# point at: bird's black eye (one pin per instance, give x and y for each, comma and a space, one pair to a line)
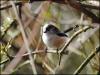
52, 29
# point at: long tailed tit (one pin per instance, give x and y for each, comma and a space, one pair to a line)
52, 37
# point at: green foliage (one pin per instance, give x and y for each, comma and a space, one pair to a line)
4, 51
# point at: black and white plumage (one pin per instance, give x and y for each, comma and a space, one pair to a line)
52, 37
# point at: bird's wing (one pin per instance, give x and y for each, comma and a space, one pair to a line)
59, 33
62, 34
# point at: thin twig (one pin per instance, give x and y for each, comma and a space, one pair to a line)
73, 36
24, 38
71, 39
34, 52
9, 6
90, 6
4, 61
39, 52
37, 22
49, 67
42, 51
78, 7
86, 61
71, 28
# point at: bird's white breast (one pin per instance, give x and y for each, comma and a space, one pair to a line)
48, 40
53, 41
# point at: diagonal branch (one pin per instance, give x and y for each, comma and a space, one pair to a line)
9, 6
78, 7
71, 39
7, 70
86, 61
37, 23
73, 36
24, 38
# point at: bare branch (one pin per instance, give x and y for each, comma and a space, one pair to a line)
25, 39
78, 7
71, 39
9, 6
37, 24
7, 71
73, 36
86, 61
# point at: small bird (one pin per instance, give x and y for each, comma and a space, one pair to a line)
55, 39
52, 37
